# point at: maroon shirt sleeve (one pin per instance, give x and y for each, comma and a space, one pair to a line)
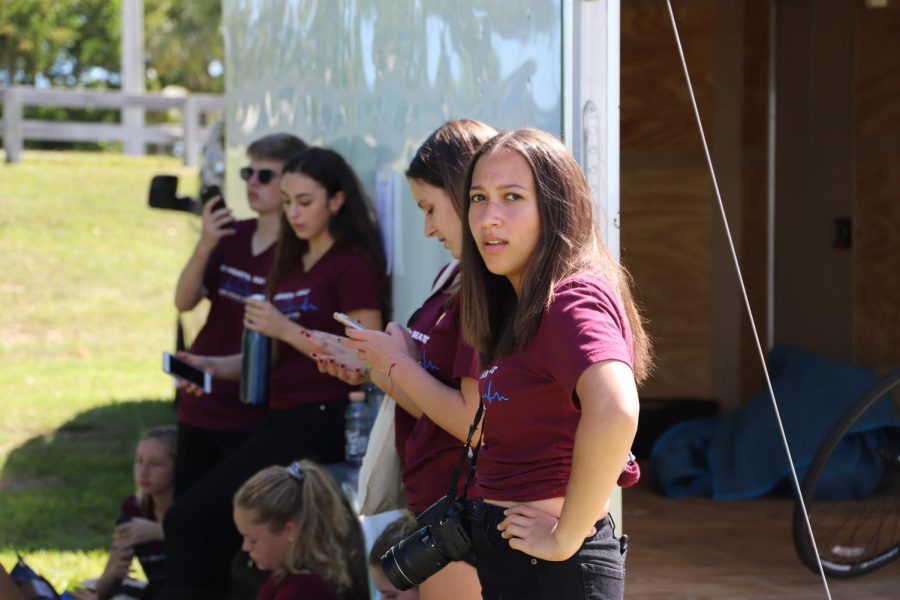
211, 272
586, 326
465, 363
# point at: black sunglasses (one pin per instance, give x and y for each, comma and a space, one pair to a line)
264, 176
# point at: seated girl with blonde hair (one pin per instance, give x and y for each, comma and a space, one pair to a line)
139, 532
295, 523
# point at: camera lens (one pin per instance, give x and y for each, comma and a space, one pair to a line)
413, 560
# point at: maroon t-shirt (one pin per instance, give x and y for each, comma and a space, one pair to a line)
341, 280
531, 411
232, 273
297, 586
429, 453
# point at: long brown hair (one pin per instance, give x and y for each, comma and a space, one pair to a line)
329, 541
443, 159
498, 322
353, 227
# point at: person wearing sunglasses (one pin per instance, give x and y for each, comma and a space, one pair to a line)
229, 263
329, 258
264, 175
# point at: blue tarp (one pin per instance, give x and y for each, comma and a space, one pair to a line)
741, 455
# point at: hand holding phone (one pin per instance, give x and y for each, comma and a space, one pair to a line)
208, 194
178, 368
346, 321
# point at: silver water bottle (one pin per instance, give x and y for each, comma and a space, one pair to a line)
255, 365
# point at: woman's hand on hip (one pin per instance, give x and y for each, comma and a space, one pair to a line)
533, 531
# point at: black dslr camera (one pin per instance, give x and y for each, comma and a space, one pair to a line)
163, 188
162, 194
445, 538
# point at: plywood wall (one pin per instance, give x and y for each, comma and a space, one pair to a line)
672, 237
877, 231
838, 112
666, 213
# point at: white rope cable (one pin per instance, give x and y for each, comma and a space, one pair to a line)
740, 277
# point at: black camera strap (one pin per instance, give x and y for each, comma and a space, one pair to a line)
463, 456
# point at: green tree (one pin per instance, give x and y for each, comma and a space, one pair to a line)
32, 34
77, 42
182, 40
93, 55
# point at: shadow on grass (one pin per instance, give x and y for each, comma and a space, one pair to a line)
62, 491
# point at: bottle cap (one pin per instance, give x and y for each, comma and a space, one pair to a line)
357, 396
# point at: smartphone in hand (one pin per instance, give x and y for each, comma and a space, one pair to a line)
211, 192
346, 321
188, 372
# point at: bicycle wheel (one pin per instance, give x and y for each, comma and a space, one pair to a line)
854, 536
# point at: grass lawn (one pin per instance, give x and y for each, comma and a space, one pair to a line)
86, 282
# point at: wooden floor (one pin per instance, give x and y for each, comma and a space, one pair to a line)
699, 548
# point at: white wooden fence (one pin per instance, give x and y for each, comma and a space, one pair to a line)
15, 129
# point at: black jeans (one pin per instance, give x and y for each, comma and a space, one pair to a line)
595, 572
200, 536
201, 449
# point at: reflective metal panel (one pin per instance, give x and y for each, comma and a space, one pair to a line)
372, 78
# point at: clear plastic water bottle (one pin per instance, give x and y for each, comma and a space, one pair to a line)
255, 365
374, 398
358, 423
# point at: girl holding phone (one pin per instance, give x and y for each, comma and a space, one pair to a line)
561, 345
329, 258
429, 370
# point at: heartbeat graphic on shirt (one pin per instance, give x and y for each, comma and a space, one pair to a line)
295, 308
491, 396
427, 364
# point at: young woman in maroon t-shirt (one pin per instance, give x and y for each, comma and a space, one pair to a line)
296, 523
228, 264
561, 347
430, 371
329, 258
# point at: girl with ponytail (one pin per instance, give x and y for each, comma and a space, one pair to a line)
296, 524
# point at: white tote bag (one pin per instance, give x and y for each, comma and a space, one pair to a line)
380, 487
